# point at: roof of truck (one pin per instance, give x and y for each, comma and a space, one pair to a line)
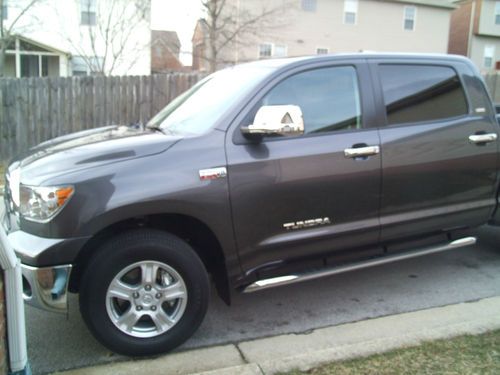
277, 63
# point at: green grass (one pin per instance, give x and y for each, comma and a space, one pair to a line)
461, 355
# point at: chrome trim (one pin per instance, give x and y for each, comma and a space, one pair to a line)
361, 151
483, 138
286, 120
212, 173
48, 286
295, 278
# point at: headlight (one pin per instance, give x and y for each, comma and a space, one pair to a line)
14, 179
41, 204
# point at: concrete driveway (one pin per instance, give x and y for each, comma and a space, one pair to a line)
56, 343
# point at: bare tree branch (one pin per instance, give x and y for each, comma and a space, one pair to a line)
108, 43
230, 26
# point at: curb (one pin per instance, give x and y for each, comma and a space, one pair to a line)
307, 350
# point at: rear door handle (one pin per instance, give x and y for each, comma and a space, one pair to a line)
361, 151
482, 138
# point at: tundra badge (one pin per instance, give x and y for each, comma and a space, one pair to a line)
307, 223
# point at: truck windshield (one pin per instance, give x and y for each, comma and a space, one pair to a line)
197, 110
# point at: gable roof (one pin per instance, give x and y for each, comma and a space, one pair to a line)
40, 44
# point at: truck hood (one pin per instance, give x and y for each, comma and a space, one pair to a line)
90, 148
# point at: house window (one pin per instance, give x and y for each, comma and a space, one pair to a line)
321, 51
280, 50
489, 54
350, 11
309, 5
5, 10
88, 12
410, 14
497, 12
34, 66
265, 50
79, 66
84, 66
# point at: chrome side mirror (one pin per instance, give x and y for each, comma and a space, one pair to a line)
285, 120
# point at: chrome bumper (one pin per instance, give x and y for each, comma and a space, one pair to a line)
47, 287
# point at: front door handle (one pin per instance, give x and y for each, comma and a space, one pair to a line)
361, 151
482, 138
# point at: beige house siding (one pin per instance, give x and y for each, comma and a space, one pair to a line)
477, 50
487, 24
379, 27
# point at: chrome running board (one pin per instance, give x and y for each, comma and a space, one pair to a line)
297, 278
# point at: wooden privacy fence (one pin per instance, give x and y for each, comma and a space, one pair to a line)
33, 110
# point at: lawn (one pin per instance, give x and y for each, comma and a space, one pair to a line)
462, 355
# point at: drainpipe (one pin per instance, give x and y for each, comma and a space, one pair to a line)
16, 328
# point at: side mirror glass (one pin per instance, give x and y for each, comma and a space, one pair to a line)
284, 120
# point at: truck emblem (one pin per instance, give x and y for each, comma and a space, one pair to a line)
212, 173
306, 223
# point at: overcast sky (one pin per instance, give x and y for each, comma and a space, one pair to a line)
180, 16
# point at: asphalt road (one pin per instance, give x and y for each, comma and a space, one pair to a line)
56, 343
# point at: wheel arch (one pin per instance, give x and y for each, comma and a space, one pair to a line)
192, 230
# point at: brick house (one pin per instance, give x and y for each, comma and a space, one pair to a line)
165, 50
475, 32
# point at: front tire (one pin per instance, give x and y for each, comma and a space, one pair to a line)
144, 292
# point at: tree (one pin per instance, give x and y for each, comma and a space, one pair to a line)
9, 30
107, 35
230, 24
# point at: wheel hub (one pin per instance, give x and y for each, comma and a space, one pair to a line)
159, 296
146, 298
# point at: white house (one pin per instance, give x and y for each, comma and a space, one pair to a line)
81, 37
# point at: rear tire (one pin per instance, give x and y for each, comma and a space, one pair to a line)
144, 292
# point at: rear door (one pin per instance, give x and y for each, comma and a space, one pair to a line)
439, 148
292, 180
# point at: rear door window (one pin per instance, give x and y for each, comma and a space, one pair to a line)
421, 93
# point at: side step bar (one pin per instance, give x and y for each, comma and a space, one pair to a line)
297, 278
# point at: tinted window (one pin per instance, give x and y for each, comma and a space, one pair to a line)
415, 93
328, 98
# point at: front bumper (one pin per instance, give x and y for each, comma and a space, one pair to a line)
43, 287
46, 287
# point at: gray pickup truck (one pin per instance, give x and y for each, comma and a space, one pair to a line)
261, 175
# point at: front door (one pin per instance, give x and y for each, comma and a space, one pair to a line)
302, 196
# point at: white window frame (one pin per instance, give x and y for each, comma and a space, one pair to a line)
322, 48
489, 53
83, 63
273, 50
89, 7
285, 48
351, 6
414, 17
497, 12
312, 9
5, 9
260, 56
